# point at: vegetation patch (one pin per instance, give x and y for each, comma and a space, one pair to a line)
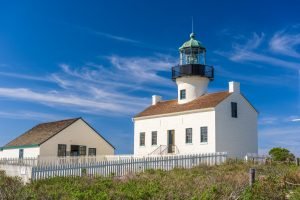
227, 181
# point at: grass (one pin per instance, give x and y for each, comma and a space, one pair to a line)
227, 181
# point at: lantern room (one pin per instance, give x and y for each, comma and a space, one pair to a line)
192, 52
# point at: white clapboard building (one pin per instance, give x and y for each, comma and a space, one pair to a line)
197, 121
70, 137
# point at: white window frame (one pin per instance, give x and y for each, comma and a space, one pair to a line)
201, 132
153, 138
140, 139
187, 137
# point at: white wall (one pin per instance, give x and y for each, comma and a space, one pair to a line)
79, 133
29, 152
236, 135
178, 123
24, 172
195, 86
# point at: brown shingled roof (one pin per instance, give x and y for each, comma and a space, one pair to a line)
164, 107
41, 132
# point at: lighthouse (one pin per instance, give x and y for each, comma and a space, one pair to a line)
196, 121
192, 75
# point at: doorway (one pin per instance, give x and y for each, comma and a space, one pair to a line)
21, 153
171, 141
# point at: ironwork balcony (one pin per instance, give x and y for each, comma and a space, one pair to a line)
193, 70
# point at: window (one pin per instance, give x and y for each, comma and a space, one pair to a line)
182, 94
21, 153
154, 138
188, 136
62, 150
142, 139
74, 150
92, 151
234, 109
82, 150
203, 134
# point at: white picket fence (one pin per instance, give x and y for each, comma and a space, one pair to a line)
19, 162
256, 158
121, 167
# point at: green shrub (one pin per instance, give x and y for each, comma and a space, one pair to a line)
227, 181
281, 154
295, 195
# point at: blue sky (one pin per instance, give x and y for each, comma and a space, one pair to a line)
102, 60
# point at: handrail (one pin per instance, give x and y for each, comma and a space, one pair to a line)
193, 69
164, 150
159, 149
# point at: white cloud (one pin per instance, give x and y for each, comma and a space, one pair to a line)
30, 115
251, 43
283, 80
275, 119
115, 37
95, 104
92, 88
268, 120
296, 120
286, 43
24, 76
281, 136
143, 69
282, 130
246, 55
124, 39
249, 52
108, 35
123, 73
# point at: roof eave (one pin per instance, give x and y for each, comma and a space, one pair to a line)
20, 147
174, 113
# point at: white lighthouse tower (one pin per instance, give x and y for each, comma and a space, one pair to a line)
196, 121
192, 75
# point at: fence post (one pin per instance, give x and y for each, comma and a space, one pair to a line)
298, 161
251, 176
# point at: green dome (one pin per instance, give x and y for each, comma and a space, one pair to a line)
192, 43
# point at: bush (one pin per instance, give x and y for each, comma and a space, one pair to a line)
281, 154
227, 181
295, 195
10, 187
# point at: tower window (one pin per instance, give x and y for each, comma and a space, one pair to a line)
154, 138
234, 109
188, 135
142, 139
182, 94
203, 132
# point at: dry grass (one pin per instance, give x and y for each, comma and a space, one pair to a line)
228, 181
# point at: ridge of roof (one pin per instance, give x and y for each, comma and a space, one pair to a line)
57, 121
41, 132
172, 106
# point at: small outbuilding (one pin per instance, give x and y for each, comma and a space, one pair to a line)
70, 137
